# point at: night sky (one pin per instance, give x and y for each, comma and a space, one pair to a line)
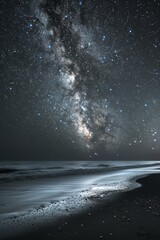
80, 80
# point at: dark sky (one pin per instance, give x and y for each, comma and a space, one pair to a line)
80, 80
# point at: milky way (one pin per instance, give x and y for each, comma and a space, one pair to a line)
76, 51
80, 79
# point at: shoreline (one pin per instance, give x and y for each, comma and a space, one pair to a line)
65, 225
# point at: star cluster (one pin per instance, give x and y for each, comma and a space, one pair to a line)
83, 75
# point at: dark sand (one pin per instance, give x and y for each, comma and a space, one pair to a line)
131, 215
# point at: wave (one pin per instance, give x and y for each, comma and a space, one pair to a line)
19, 171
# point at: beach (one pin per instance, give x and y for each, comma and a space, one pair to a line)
131, 215
116, 210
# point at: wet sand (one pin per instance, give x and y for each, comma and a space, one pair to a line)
130, 215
